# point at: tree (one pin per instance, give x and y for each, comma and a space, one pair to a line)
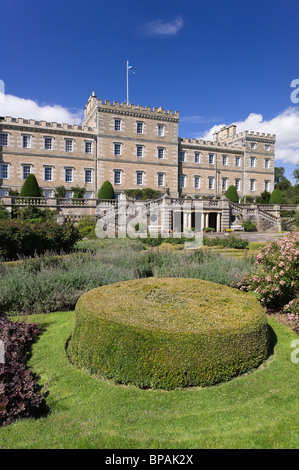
106, 191
264, 198
276, 197
30, 187
283, 184
278, 174
295, 175
232, 194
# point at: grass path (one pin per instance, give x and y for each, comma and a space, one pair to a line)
258, 410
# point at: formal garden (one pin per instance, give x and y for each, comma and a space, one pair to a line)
142, 343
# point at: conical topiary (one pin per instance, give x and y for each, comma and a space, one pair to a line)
30, 187
106, 191
232, 194
276, 197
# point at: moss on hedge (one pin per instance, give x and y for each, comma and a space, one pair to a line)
168, 333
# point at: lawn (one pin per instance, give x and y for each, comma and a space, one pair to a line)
257, 410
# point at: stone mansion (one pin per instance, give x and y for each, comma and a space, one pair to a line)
132, 147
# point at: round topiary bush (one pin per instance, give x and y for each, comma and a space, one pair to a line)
168, 332
106, 191
30, 187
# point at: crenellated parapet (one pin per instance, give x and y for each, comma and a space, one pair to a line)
9, 121
137, 110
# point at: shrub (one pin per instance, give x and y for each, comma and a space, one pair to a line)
227, 242
249, 226
143, 194
4, 215
292, 310
32, 213
264, 198
86, 227
106, 191
232, 194
60, 192
30, 187
276, 197
168, 333
19, 396
78, 193
209, 229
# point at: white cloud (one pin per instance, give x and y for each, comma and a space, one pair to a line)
285, 126
164, 28
28, 109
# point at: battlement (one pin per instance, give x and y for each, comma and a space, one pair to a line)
228, 134
44, 124
106, 104
206, 143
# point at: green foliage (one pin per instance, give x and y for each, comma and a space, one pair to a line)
78, 193
86, 226
246, 199
33, 213
106, 191
143, 194
4, 215
276, 197
232, 194
60, 192
30, 187
264, 198
248, 226
171, 333
231, 241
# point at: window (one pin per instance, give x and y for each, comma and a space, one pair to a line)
68, 145
252, 162
117, 124
267, 186
48, 192
88, 195
139, 150
117, 176
196, 182
139, 178
88, 147
160, 179
211, 182
267, 163
117, 149
160, 153
48, 173
197, 157
267, 147
48, 143
224, 160
26, 141
252, 185
161, 130
68, 175
26, 171
182, 156
3, 139
253, 145
4, 171
87, 175
182, 181
224, 183
238, 184
139, 127
237, 161
211, 159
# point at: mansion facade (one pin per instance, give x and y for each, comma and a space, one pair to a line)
132, 147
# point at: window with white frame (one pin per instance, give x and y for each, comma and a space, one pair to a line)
182, 156
26, 141
48, 173
252, 185
237, 161
3, 139
139, 178
224, 160
267, 186
161, 130
182, 181
88, 147
160, 153
139, 150
139, 127
267, 163
161, 179
4, 192
26, 170
68, 175
197, 156
68, 145
252, 162
87, 175
197, 182
3, 171
224, 184
238, 184
117, 176
211, 158
117, 149
117, 124
211, 180
48, 143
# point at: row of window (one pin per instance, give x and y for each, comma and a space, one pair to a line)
48, 173
118, 126
48, 143
211, 159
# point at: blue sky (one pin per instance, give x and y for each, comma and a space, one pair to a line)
215, 61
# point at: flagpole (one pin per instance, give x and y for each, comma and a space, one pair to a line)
127, 83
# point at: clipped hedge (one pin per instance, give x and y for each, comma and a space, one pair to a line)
168, 333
